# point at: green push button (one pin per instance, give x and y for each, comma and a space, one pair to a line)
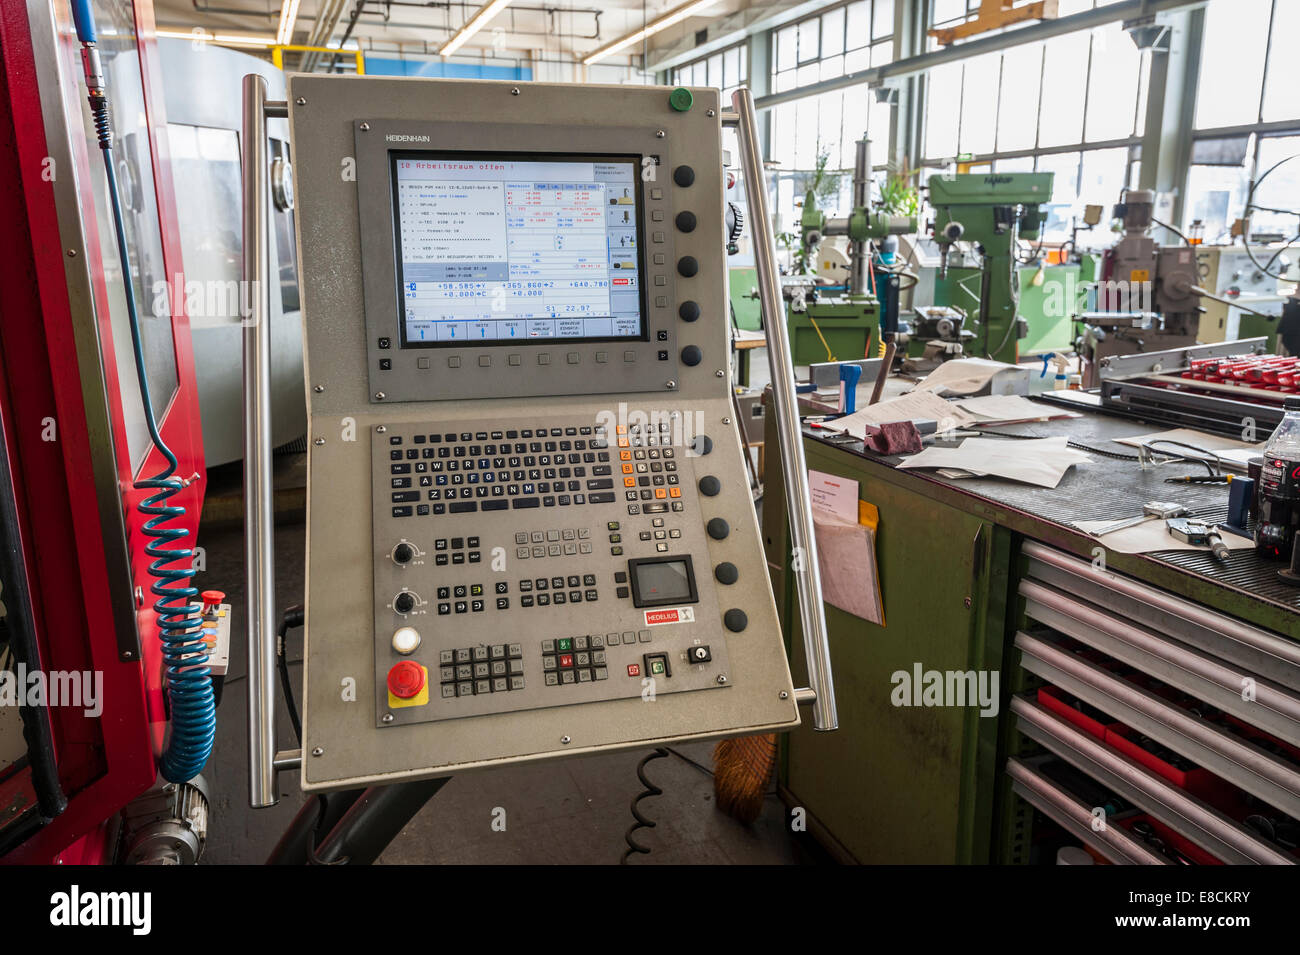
563, 645
657, 667
681, 99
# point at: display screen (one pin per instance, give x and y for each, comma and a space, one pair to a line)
662, 581
502, 248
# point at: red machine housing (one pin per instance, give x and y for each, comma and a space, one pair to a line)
73, 495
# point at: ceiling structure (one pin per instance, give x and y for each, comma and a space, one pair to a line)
563, 33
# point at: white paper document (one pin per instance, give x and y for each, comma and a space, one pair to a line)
1232, 451
988, 409
962, 376
834, 495
915, 406
1152, 535
1039, 461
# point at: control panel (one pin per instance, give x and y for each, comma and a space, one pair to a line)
530, 532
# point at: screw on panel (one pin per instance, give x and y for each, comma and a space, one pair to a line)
565, 740
726, 421
72, 253
319, 388
382, 428
722, 678
301, 101
380, 396
387, 717
670, 383
660, 134
783, 695
318, 442
318, 751
139, 597
514, 91
719, 373
365, 127
710, 113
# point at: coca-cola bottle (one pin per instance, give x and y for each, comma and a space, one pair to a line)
1279, 486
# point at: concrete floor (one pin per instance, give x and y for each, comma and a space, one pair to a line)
565, 812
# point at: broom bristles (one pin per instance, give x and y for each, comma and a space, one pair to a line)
741, 769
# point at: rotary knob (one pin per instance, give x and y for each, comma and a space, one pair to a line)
404, 602
403, 553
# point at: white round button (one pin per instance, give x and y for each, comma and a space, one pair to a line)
406, 640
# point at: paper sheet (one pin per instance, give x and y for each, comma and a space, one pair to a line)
1151, 536
1039, 461
846, 557
1230, 449
833, 495
914, 406
1008, 408
962, 376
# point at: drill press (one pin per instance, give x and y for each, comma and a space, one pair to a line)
840, 326
991, 212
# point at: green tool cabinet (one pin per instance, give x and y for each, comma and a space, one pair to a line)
899, 784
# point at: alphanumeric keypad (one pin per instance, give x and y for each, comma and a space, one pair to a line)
517, 469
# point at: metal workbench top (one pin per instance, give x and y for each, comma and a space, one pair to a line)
1110, 488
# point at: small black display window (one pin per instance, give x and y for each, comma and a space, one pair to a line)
657, 581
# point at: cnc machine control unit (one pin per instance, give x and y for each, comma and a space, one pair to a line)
530, 532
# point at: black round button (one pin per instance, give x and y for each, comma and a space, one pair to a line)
403, 553
726, 573
718, 528
687, 266
735, 620
702, 444
689, 311
683, 175
686, 221
691, 355
710, 486
403, 602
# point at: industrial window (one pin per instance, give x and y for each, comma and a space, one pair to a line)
1073, 105
727, 70
842, 40
1247, 119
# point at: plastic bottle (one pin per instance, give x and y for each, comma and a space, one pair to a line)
1279, 486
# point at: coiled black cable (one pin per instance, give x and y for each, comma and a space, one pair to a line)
641, 822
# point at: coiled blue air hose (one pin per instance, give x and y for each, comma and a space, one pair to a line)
189, 680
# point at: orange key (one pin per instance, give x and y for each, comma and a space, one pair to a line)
625, 455
627, 469
622, 442
674, 492
660, 493
621, 429
629, 482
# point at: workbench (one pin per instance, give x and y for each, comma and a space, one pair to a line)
969, 569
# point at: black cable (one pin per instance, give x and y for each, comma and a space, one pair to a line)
1250, 204
641, 822
690, 762
292, 619
1163, 225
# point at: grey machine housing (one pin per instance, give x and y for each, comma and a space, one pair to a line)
358, 392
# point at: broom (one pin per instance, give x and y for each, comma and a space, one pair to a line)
741, 769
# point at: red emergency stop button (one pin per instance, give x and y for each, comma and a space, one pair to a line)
406, 679
213, 596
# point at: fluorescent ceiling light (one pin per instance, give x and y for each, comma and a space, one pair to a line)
222, 39
288, 13
476, 23
676, 15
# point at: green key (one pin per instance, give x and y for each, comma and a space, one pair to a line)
563, 645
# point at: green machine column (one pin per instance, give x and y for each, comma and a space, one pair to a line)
993, 212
